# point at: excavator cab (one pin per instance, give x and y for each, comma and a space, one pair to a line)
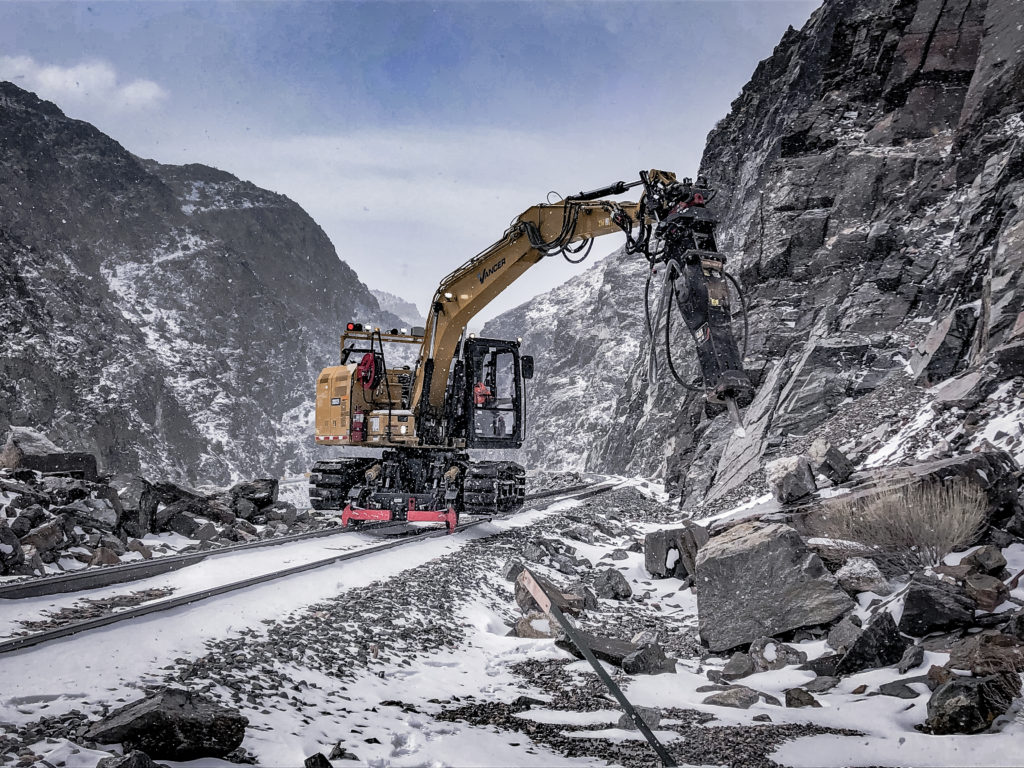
494, 392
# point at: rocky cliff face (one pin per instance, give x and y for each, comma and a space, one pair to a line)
396, 305
168, 319
872, 201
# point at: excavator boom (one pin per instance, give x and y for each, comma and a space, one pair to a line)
466, 291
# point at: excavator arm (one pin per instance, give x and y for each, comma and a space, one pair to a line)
539, 231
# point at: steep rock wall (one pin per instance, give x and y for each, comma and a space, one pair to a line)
871, 183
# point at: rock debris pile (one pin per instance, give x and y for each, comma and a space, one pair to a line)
70, 518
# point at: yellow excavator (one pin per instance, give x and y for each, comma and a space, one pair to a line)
463, 392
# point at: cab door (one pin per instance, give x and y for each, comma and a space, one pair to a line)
494, 401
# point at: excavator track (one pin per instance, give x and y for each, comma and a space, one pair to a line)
330, 480
491, 487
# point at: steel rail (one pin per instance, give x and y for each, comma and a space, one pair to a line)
95, 578
27, 641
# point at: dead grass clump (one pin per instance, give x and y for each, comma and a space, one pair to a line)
911, 527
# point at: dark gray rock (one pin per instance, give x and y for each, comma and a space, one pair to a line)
21, 525
821, 684
605, 648
262, 493
673, 551
316, 761
174, 724
759, 580
988, 592
843, 635
1015, 626
205, 532
825, 665
767, 653
912, 657
798, 697
650, 716
879, 645
649, 659
104, 556
898, 689
790, 479
738, 666
933, 605
512, 569
65, 490
829, 461
244, 509
736, 696
611, 584
985, 559
45, 537
12, 556
970, 704
139, 502
184, 524
112, 543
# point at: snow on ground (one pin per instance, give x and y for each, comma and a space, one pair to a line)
393, 713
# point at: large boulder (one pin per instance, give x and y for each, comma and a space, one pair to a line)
28, 449
174, 724
673, 551
933, 605
970, 704
790, 479
758, 580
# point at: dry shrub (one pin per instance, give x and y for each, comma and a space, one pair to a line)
911, 527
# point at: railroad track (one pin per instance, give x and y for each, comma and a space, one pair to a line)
94, 578
403, 537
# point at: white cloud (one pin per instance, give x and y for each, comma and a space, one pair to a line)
90, 83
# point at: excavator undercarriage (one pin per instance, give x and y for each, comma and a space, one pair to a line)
416, 484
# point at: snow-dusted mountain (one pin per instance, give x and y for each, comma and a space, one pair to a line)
396, 305
169, 319
871, 179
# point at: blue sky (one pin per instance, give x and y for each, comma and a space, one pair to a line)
412, 132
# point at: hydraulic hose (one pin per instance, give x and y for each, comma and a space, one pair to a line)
743, 310
668, 332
